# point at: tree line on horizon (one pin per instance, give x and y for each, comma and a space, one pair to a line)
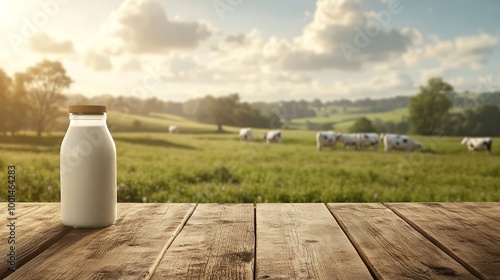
439, 111
462, 114
33, 100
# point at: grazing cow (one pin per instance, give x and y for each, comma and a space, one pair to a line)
173, 129
366, 140
478, 144
273, 136
399, 142
347, 139
246, 134
325, 138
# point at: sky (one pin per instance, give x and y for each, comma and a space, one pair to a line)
261, 49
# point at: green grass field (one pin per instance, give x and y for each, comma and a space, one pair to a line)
199, 165
345, 120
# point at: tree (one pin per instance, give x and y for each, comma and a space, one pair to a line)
483, 121
222, 110
136, 124
327, 126
228, 110
246, 116
487, 118
198, 109
19, 105
316, 103
5, 87
429, 108
174, 108
44, 83
362, 124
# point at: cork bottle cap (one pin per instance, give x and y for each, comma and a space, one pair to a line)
87, 109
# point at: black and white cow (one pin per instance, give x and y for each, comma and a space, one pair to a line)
173, 129
365, 140
399, 142
348, 139
246, 134
478, 144
325, 138
273, 136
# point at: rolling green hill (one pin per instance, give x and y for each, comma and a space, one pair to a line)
120, 122
157, 122
342, 121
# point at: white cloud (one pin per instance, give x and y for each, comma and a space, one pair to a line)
470, 52
98, 61
277, 65
311, 65
131, 65
479, 84
181, 64
378, 85
142, 26
426, 74
384, 85
43, 43
488, 83
248, 62
340, 36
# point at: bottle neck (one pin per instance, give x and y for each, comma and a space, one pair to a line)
87, 120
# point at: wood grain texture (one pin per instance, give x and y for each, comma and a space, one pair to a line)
129, 249
391, 247
468, 232
38, 226
216, 243
21, 209
303, 241
488, 209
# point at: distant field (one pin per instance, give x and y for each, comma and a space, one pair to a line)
344, 120
155, 123
203, 166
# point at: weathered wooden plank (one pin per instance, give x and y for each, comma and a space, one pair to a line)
21, 209
130, 249
391, 247
37, 227
216, 243
303, 241
462, 230
488, 209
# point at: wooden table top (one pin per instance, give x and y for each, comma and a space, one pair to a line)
265, 241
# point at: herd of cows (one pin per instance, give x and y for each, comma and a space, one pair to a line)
362, 141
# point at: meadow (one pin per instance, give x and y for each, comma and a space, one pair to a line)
343, 121
199, 165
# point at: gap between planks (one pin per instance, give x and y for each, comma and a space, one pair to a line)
44, 246
155, 265
436, 243
254, 272
363, 257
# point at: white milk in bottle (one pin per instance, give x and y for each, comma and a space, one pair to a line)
88, 169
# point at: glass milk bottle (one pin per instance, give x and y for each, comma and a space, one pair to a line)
88, 169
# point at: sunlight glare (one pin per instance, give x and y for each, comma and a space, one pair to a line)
10, 11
